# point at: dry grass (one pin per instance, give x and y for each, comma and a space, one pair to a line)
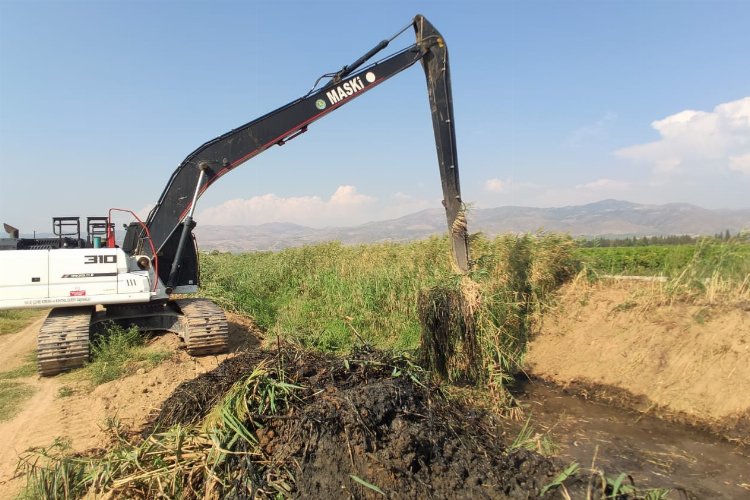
14, 320
13, 395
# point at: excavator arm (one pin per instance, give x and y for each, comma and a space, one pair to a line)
170, 221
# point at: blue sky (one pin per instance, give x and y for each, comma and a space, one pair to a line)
556, 103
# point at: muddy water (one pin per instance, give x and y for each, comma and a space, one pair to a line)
653, 452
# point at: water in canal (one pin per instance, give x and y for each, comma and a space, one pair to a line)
654, 452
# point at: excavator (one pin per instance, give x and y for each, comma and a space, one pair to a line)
89, 283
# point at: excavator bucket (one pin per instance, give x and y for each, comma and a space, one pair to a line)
436, 68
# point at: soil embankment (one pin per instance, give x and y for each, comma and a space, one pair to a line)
623, 343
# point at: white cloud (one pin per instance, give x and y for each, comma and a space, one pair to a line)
697, 140
604, 185
740, 163
508, 186
494, 185
347, 196
402, 203
345, 206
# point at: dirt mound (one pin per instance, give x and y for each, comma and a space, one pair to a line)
362, 426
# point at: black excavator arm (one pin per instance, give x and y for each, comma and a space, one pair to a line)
170, 222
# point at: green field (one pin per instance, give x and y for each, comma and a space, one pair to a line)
702, 260
331, 296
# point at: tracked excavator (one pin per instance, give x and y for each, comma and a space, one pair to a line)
91, 281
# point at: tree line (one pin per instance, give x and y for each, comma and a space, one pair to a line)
672, 239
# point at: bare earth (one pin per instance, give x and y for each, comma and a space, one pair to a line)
616, 341
82, 416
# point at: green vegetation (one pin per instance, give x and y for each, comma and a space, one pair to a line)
14, 320
528, 439
643, 241
65, 392
12, 395
707, 257
710, 270
329, 295
600, 485
120, 352
636, 261
324, 295
27, 369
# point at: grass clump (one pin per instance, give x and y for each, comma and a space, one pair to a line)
65, 392
477, 327
119, 352
716, 271
12, 396
13, 320
52, 472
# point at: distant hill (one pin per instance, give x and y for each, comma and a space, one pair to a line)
604, 218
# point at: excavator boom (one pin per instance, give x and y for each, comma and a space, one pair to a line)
215, 158
89, 286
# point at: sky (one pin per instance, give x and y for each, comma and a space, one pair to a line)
556, 103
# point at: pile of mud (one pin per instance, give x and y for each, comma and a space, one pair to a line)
363, 427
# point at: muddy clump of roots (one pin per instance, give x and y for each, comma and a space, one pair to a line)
363, 427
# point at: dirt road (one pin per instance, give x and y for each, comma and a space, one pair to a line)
68, 407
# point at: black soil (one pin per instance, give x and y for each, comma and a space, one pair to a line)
367, 425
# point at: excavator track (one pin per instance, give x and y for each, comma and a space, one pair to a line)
205, 327
63, 341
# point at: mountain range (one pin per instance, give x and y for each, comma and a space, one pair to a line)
607, 218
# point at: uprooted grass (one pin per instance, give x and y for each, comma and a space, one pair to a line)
594, 483
173, 463
119, 352
476, 328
